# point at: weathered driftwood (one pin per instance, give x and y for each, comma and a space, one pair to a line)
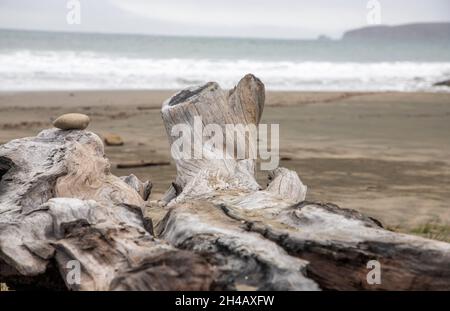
242, 105
97, 220
216, 227
337, 243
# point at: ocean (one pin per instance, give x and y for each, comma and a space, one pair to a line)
60, 61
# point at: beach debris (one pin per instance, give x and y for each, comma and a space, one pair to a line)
147, 107
72, 121
113, 140
142, 163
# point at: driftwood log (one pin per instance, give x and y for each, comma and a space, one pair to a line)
59, 203
215, 229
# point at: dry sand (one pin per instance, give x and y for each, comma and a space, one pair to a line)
384, 154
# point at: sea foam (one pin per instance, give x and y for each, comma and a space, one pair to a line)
57, 70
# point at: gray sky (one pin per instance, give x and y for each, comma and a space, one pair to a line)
235, 18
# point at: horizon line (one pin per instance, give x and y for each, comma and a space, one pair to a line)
318, 37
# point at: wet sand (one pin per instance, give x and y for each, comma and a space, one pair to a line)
384, 154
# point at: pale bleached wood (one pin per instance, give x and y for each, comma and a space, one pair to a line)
97, 221
242, 105
243, 259
338, 243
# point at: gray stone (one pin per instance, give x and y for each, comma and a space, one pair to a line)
72, 121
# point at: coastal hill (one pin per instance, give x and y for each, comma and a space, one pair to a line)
408, 32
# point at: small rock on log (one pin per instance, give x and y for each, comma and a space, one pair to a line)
72, 121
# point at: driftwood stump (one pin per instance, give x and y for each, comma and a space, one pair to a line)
216, 227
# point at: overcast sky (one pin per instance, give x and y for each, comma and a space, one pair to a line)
234, 18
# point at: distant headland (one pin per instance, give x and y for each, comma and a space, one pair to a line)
408, 32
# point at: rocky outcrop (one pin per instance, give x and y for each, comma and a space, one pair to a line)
443, 83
